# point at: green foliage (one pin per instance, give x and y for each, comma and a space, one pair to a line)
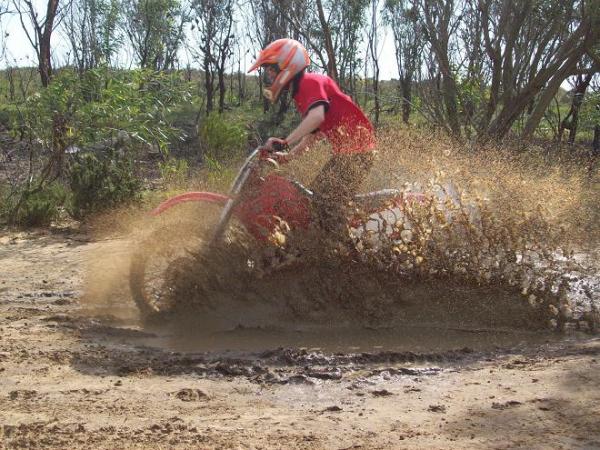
98, 109
40, 207
93, 27
220, 175
103, 182
223, 139
590, 111
101, 102
6, 203
155, 31
174, 171
6, 114
110, 39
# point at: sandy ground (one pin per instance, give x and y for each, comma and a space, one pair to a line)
73, 380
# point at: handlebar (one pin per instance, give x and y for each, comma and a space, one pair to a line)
279, 147
275, 147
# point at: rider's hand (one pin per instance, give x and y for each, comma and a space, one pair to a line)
275, 144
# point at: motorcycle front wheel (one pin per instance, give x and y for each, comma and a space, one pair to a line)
165, 255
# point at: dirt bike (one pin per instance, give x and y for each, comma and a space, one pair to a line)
260, 205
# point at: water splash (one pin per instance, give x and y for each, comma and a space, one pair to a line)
502, 239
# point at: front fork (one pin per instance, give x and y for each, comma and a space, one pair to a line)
234, 196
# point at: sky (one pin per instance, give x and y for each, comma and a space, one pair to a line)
20, 53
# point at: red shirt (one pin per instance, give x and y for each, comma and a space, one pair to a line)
345, 125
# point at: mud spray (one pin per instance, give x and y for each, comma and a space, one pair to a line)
505, 241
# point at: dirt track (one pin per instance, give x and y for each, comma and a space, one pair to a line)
75, 380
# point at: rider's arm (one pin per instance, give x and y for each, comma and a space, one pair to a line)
311, 122
300, 139
303, 145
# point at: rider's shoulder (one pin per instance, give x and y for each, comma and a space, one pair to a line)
311, 77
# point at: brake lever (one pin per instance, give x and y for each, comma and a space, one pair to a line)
272, 162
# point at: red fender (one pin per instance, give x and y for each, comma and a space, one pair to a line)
210, 197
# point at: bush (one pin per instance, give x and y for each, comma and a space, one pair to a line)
87, 109
174, 171
6, 115
38, 208
100, 182
224, 140
6, 203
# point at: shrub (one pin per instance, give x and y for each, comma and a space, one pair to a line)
93, 111
174, 171
39, 207
100, 182
6, 114
6, 203
100, 102
223, 139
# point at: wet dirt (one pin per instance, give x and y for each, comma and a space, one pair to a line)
446, 346
75, 374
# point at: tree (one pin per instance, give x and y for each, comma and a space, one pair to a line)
589, 113
438, 22
347, 21
92, 29
213, 24
3, 11
332, 32
307, 19
39, 37
499, 60
155, 29
270, 23
402, 16
573, 48
373, 55
331, 57
571, 120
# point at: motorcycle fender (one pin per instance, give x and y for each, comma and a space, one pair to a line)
209, 197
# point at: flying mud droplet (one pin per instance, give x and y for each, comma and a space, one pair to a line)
492, 237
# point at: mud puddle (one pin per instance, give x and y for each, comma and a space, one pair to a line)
432, 338
76, 381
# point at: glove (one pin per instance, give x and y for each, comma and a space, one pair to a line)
274, 144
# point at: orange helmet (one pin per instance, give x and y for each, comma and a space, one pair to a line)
290, 56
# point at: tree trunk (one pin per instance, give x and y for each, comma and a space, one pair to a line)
439, 38
208, 84
548, 94
571, 120
376, 93
406, 99
331, 63
45, 63
552, 76
450, 100
222, 90
10, 74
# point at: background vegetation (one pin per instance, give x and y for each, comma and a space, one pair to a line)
127, 94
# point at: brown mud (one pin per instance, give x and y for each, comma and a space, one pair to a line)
77, 375
444, 338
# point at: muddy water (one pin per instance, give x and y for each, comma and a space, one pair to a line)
485, 264
425, 318
423, 339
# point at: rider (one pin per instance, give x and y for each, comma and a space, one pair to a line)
326, 113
